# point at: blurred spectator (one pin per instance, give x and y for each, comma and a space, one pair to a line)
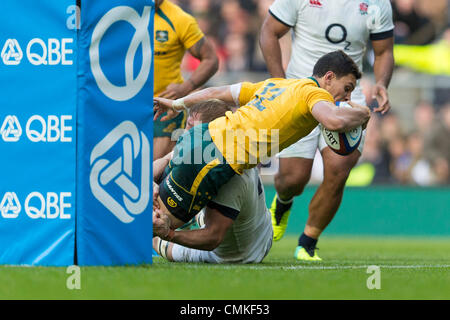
424, 117
418, 22
437, 146
257, 60
236, 51
236, 36
390, 127
233, 26
410, 26
419, 170
442, 171
421, 157
375, 153
436, 11
200, 7
400, 159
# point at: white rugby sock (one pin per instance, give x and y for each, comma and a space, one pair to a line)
162, 246
284, 201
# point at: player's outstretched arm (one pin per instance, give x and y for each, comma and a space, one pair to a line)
207, 238
173, 107
340, 119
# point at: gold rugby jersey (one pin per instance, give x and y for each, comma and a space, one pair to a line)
275, 113
175, 32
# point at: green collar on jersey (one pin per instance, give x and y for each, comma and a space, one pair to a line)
314, 79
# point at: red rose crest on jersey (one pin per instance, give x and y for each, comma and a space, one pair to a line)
315, 3
363, 7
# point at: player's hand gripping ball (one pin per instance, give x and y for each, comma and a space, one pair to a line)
342, 143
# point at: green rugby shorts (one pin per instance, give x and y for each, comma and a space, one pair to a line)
165, 128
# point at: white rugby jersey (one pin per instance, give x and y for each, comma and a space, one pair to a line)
243, 200
322, 26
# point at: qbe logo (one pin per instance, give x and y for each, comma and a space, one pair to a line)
11, 129
50, 205
141, 39
38, 52
109, 174
38, 129
11, 53
10, 205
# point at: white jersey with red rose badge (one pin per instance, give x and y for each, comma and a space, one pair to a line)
323, 26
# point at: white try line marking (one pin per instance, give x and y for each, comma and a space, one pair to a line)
294, 267
303, 267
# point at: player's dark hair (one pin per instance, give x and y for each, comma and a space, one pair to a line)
338, 62
209, 110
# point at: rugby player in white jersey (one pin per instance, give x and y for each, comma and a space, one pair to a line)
321, 26
235, 226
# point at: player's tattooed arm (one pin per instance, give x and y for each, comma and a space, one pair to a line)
209, 63
196, 48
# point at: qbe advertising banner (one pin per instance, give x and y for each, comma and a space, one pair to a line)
38, 89
115, 110
76, 132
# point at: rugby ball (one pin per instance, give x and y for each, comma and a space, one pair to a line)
342, 143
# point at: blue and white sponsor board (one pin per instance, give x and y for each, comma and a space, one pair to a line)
114, 224
38, 88
76, 132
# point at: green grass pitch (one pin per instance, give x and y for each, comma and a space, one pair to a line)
410, 268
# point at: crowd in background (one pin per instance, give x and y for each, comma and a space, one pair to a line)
234, 25
419, 155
